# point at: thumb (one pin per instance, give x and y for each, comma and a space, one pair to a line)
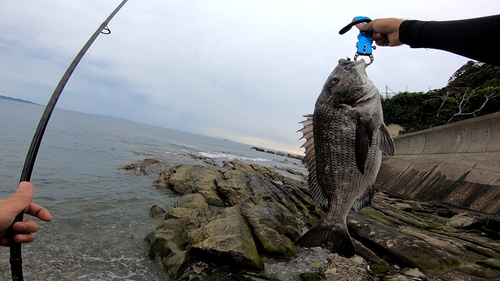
21, 199
365, 27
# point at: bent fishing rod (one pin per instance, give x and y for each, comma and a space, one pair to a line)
15, 248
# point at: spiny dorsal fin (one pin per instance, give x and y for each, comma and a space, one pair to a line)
310, 160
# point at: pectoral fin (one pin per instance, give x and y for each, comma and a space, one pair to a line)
364, 136
386, 141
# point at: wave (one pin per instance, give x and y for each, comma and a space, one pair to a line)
214, 155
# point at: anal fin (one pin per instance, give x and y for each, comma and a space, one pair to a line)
365, 199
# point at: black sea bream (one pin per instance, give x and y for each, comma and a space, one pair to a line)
345, 138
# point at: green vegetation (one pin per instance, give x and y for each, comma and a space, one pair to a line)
473, 90
378, 216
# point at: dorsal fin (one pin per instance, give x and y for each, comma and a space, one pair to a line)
310, 160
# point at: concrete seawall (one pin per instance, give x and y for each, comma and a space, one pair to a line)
457, 164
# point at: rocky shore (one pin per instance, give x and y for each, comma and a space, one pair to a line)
239, 221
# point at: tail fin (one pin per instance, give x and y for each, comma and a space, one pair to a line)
336, 239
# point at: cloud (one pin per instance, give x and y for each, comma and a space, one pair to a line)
244, 70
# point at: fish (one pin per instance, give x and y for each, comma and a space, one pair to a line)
345, 140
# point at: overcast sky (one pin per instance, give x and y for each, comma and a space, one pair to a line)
243, 70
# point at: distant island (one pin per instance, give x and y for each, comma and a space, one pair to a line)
16, 99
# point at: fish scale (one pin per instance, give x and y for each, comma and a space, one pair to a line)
345, 138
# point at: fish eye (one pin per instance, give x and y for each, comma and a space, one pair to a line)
334, 80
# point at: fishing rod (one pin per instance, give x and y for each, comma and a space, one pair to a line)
15, 248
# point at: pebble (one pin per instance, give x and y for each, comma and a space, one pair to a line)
316, 265
331, 271
413, 272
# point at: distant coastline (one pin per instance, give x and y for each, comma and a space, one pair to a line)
16, 100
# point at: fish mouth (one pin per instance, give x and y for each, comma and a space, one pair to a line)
348, 64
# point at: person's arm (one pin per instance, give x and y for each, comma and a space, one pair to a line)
477, 38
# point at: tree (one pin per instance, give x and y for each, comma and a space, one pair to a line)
465, 96
473, 90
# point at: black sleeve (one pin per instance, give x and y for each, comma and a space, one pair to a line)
478, 38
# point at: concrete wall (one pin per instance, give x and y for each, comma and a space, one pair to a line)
458, 164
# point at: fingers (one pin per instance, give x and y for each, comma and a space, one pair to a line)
26, 229
365, 27
39, 212
18, 238
26, 226
380, 39
386, 31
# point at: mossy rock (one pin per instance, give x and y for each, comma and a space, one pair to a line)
156, 211
226, 239
491, 262
379, 268
169, 237
273, 224
378, 216
177, 263
477, 270
397, 277
184, 217
310, 276
167, 243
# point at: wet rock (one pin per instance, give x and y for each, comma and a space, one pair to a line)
340, 268
177, 263
463, 221
196, 204
477, 270
146, 166
227, 239
377, 264
167, 244
293, 172
194, 201
167, 238
187, 179
268, 211
262, 195
310, 260
310, 276
413, 272
490, 262
272, 227
411, 251
405, 207
446, 244
184, 217
235, 185
156, 211
397, 277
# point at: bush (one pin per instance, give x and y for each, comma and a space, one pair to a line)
473, 90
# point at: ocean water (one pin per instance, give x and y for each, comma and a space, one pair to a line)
101, 214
